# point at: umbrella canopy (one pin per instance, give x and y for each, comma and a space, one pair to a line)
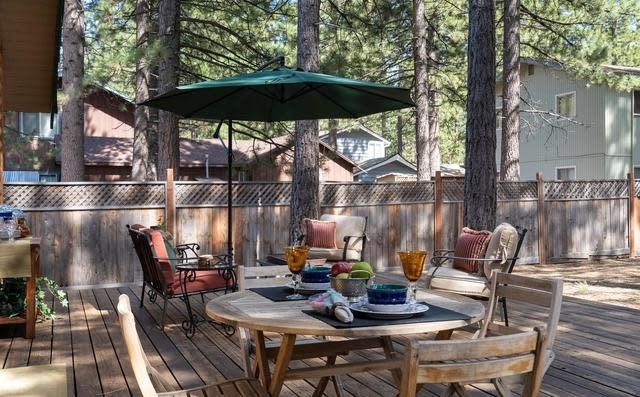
281, 94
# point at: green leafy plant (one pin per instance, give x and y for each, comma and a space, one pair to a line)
13, 294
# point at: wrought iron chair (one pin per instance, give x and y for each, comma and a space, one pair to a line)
158, 267
500, 253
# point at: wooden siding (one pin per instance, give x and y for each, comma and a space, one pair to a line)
598, 143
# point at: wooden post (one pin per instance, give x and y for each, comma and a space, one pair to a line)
170, 206
437, 227
633, 222
542, 235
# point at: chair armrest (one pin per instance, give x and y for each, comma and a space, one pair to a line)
187, 251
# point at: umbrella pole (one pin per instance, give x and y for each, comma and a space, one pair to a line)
229, 196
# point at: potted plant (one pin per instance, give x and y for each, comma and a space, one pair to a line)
43, 285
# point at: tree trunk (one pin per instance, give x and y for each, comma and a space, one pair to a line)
510, 145
399, 137
333, 133
434, 124
423, 149
480, 142
144, 139
72, 153
168, 137
305, 189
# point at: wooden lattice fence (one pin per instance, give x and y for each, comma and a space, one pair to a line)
84, 239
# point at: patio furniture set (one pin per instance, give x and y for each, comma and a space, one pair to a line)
491, 355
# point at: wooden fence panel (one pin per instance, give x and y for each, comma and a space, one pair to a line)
84, 240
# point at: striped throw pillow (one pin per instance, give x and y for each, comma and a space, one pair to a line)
472, 244
320, 234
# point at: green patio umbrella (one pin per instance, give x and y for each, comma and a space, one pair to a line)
281, 94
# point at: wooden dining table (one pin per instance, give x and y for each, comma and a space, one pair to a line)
253, 311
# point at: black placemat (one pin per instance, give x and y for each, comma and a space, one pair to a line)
276, 294
435, 313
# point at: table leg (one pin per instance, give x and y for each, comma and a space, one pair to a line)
262, 361
390, 353
282, 363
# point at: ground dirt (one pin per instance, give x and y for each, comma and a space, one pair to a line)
612, 281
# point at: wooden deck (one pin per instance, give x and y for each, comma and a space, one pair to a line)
597, 348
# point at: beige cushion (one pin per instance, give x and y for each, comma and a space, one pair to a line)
458, 281
502, 245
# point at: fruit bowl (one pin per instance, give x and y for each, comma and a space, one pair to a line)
387, 294
351, 288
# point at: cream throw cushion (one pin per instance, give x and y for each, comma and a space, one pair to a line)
502, 245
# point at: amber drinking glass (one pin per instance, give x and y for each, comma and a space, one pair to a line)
296, 258
412, 265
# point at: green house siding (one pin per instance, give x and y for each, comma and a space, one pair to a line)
597, 141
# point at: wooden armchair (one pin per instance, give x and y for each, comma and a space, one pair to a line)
459, 362
541, 295
151, 383
158, 261
467, 269
335, 237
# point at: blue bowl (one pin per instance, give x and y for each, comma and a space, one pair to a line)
387, 294
316, 274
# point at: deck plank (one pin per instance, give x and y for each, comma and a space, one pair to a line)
596, 349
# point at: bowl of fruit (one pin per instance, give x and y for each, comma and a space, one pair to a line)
351, 279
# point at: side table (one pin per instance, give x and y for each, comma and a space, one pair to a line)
21, 258
187, 273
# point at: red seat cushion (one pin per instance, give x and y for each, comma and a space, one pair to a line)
204, 281
471, 244
157, 243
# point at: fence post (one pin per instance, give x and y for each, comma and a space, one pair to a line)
633, 222
437, 227
542, 235
170, 205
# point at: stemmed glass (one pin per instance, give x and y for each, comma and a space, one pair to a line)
296, 259
412, 265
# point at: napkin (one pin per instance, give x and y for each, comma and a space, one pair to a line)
332, 303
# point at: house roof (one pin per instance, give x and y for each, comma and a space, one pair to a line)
324, 136
372, 164
29, 42
193, 153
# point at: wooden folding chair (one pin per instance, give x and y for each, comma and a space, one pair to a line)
150, 381
459, 362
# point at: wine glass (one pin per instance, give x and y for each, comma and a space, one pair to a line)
412, 265
296, 258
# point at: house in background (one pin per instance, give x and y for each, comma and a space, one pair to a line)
109, 129
367, 149
394, 168
109, 159
571, 129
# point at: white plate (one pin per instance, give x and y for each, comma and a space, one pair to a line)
388, 308
410, 311
307, 290
315, 285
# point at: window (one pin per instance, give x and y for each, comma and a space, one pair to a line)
566, 173
37, 124
566, 104
530, 69
636, 103
636, 172
498, 119
48, 178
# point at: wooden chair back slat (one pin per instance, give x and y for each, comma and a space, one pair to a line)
467, 361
